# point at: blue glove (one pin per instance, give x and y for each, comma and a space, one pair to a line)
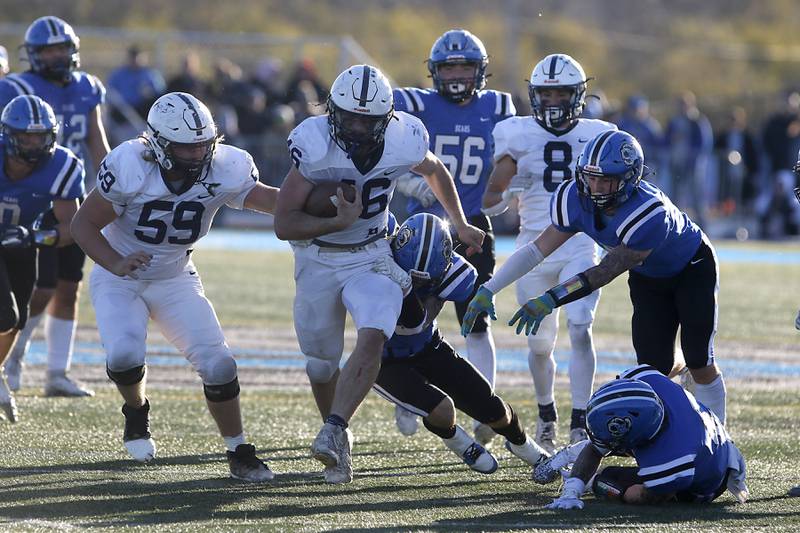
482, 302
531, 314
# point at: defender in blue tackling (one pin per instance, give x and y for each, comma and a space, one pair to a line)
459, 114
673, 273
682, 451
421, 373
36, 174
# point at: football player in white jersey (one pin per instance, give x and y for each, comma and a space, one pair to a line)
344, 264
533, 155
155, 197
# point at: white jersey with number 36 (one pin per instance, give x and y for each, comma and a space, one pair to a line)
154, 219
549, 156
319, 159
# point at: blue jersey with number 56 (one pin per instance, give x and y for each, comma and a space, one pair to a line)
73, 103
461, 136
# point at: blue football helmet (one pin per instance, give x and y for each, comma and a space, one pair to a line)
49, 31
458, 47
624, 414
29, 114
612, 154
423, 248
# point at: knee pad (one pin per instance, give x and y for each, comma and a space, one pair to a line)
541, 346
124, 353
320, 370
214, 364
612, 482
580, 334
222, 393
132, 376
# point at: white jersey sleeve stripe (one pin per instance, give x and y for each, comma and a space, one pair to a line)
639, 372
662, 468
627, 232
667, 479
73, 174
454, 279
560, 213
417, 100
407, 99
20, 85
63, 176
625, 223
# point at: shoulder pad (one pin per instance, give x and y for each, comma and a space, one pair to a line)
308, 144
505, 134
412, 137
410, 99
12, 86
645, 227
458, 282
69, 174
503, 103
233, 167
560, 203
122, 172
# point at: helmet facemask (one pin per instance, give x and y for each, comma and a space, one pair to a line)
555, 116
356, 132
164, 151
23, 148
58, 68
458, 89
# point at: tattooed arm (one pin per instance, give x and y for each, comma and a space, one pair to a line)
617, 261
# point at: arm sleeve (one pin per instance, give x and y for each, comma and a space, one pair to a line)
520, 263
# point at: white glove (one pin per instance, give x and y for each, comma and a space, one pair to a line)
385, 265
517, 186
797, 321
417, 187
570, 496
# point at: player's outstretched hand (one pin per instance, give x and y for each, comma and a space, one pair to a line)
565, 502
472, 237
347, 212
516, 186
531, 314
128, 265
482, 302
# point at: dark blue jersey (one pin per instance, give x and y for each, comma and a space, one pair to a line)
690, 454
58, 178
648, 220
456, 286
73, 103
461, 136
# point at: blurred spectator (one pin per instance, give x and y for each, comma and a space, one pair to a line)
637, 121
189, 80
738, 155
225, 87
267, 75
597, 105
3, 61
305, 91
775, 206
689, 143
132, 89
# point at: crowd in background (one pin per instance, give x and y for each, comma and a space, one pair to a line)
730, 172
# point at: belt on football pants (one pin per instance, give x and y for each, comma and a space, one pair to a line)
329, 247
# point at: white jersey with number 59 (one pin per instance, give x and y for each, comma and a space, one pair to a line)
549, 156
154, 218
319, 159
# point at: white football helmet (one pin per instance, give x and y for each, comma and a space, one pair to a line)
557, 71
360, 106
180, 118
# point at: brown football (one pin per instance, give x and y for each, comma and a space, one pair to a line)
319, 203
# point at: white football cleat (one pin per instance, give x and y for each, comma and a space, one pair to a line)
546, 435
530, 452
343, 471
559, 464
136, 437
406, 421
61, 385
473, 454
7, 402
332, 447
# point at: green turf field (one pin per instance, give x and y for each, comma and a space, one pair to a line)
63, 464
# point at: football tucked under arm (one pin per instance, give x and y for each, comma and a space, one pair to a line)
321, 201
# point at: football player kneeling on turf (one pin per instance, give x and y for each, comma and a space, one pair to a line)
421, 372
682, 451
155, 197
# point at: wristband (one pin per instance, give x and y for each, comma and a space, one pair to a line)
573, 289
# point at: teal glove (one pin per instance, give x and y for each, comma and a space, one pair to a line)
482, 302
531, 314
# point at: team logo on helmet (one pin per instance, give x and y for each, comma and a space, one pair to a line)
628, 153
618, 426
164, 107
402, 237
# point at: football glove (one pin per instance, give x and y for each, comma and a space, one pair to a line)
15, 237
385, 265
517, 186
416, 187
531, 314
570, 496
482, 302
